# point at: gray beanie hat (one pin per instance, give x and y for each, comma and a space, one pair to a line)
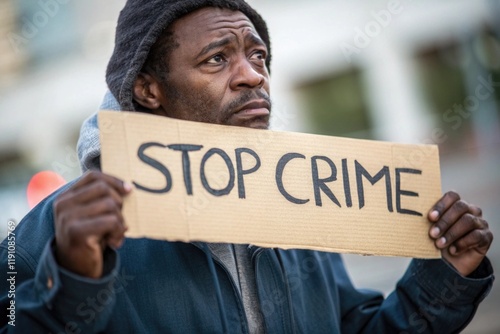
139, 26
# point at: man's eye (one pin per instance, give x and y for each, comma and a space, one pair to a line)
258, 55
217, 59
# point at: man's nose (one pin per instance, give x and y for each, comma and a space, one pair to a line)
247, 75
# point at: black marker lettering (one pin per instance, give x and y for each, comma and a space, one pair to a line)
320, 184
280, 168
155, 164
347, 184
230, 168
361, 171
240, 171
186, 163
400, 192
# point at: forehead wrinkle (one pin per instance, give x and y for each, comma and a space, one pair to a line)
216, 44
255, 39
227, 24
222, 29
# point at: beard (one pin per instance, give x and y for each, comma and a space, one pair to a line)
200, 106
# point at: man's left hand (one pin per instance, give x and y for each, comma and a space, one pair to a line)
460, 232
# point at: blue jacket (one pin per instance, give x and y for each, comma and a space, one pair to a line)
165, 287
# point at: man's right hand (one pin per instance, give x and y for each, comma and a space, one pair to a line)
88, 219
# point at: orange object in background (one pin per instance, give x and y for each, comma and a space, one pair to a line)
41, 185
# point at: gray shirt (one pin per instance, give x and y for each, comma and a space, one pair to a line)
237, 260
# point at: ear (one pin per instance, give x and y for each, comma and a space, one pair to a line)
148, 93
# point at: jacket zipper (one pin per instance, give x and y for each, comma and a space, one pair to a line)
233, 284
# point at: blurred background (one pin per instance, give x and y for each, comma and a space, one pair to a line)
404, 71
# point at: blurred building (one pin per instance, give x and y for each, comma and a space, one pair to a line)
386, 70
11, 61
52, 62
407, 71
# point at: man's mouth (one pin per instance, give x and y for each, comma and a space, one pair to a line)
253, 109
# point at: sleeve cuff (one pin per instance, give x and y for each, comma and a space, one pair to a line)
441, 280
73, 297
484, 270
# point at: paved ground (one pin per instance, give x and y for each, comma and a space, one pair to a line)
477, 179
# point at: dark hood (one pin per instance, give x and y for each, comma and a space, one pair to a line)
139, 26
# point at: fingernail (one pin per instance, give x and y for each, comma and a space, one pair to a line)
441, 242
127, 186
434, 215
453, 249
435, 232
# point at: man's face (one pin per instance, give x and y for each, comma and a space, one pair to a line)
217, 73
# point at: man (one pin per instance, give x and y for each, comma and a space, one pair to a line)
209, 61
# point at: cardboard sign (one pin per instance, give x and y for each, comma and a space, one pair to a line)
213, 183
